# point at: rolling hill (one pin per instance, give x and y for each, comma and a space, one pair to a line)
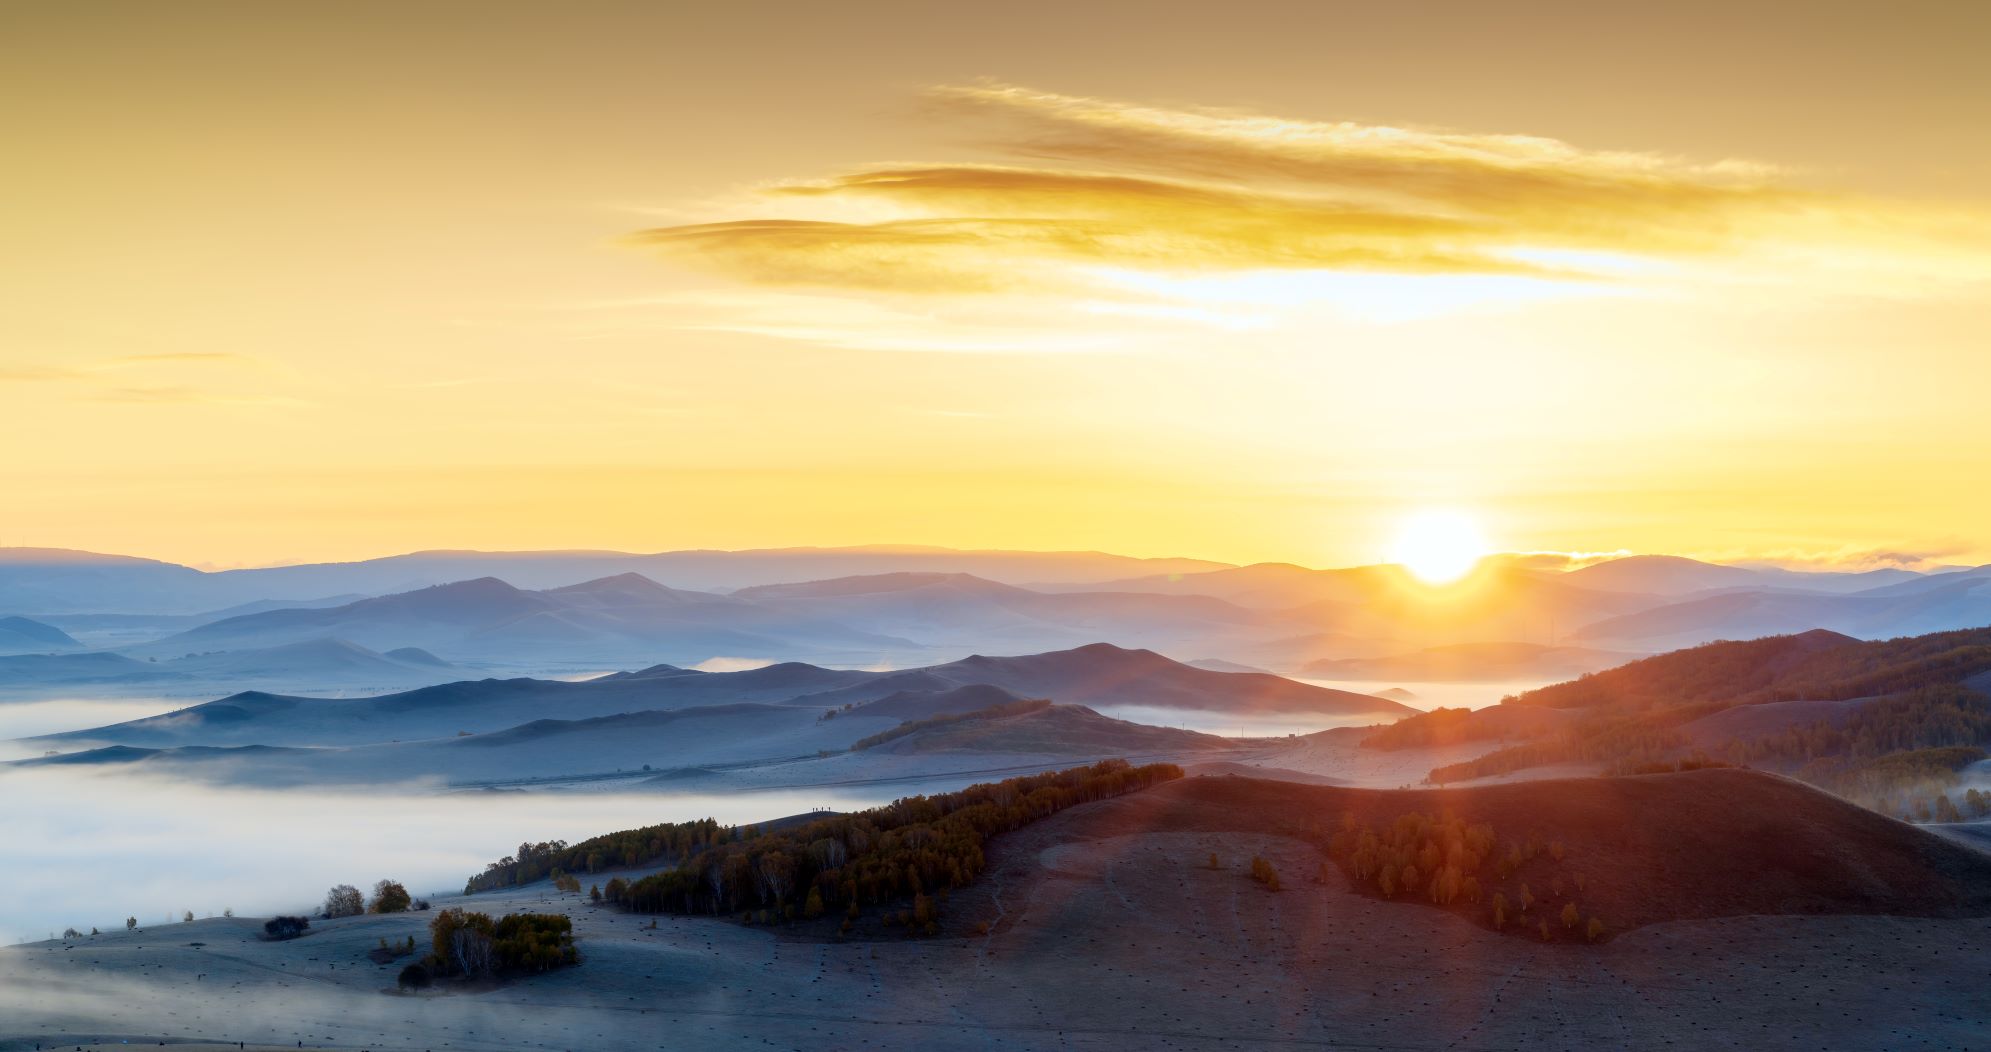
1096, 674
20, 635
1103, 674
1651, 848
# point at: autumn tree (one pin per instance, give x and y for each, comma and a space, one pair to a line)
344, 901
1262, 872
462, 942
1569, 915
390, 897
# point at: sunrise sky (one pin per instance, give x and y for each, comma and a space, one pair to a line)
1243, 281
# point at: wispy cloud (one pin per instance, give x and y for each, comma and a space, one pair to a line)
1923, 559
191, 357
187, 396
108, 380
1094, 185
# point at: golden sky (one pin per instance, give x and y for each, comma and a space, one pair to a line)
1238, 281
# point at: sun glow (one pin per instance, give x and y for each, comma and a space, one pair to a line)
1439, 546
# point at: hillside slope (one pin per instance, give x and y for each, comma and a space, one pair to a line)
1653, 848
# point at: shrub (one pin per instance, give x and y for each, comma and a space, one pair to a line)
414, 977
285, 927
1262, 872
917, 845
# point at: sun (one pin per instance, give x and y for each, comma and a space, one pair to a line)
1439, 546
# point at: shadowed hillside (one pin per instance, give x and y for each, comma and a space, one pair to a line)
1713, 843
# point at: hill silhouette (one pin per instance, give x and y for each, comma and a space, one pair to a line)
1097, 674
24, 635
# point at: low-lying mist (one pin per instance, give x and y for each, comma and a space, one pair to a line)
89, 848
23, 718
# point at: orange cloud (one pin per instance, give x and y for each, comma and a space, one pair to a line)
1140, 188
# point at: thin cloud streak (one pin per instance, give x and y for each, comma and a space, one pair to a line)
1181, 193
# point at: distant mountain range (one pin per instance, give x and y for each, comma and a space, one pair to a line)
1096, 674
538, 612
53, 580
674, 719
894, 618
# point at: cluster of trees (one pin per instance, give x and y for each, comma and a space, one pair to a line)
1925, 718
1451, 862
1014, 708
389, 896
1441, 857
473, 946
630, 847
1694, 761
915, 848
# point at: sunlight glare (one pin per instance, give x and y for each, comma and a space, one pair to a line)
1439, 546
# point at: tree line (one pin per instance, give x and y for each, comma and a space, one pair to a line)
629, 847
916, 848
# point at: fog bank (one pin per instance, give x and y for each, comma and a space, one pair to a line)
89, 848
